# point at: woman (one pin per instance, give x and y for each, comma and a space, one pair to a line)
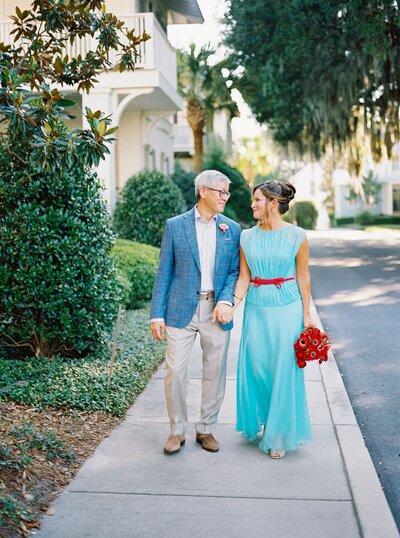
274, 270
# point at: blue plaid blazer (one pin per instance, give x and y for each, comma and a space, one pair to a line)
177, 285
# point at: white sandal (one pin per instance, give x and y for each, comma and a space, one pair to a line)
277, 454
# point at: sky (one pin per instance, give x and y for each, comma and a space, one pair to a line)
181, 35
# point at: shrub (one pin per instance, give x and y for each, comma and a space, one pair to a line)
343, 221
57, 281
364, 218
185, 181
238, 207
148, 199
306, 214
57, 286
137, 267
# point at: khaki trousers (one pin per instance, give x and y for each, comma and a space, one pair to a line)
214, 343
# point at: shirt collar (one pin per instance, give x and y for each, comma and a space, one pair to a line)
199, 217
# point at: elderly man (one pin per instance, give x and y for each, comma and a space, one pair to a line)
193, 293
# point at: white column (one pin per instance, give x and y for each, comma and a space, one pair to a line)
105, 100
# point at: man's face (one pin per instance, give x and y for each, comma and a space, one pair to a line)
214, 197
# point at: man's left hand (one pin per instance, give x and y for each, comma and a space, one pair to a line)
222, 313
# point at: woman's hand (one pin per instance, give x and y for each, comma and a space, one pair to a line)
308, 322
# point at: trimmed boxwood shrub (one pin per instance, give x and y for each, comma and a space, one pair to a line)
137, 266
184, 179
148, 199
364, 218
305, 214
58, 292
343, 221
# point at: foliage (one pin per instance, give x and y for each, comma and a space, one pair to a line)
147, 200
206, 89
379, 220
24, 439
185, 181
83, 384
58, 292
364, 218
238, 206
320, 74
42, 33
305, 214
56, 279
368, 191
12, 512
252, 158
138, 265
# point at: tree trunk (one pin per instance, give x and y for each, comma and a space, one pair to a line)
196, 117
198, 150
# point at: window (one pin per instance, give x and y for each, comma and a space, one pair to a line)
396, 198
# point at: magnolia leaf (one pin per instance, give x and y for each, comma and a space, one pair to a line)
102, 127
58, 65
66, 102
111, 131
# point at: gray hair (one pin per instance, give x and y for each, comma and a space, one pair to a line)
209, 178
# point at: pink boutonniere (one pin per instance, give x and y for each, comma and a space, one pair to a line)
223, 227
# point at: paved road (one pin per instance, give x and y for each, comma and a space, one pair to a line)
356, 287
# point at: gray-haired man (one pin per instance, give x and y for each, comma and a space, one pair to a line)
193, 293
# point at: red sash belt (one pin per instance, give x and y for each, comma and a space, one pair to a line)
275, 281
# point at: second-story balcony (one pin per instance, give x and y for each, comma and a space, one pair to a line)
157, 55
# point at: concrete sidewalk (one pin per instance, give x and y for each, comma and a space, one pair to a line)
130, 489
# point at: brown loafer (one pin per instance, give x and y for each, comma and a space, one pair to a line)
174, 443
207, 441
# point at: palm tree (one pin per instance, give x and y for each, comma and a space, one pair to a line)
206, 90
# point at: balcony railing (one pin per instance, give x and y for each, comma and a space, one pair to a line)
156, 53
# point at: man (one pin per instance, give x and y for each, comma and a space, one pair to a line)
193, 293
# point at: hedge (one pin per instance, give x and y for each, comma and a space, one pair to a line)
136, 264
148, 199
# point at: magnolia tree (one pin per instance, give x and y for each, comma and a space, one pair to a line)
57, 283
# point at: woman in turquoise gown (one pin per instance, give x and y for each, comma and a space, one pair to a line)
271, 393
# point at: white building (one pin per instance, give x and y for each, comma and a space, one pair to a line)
309, 183
142, 102
387, 173
183, 145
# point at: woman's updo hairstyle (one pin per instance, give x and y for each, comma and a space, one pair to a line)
278, 190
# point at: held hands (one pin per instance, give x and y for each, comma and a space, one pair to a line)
158, 330
222, 313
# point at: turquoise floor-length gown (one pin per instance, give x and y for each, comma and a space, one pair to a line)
271, 395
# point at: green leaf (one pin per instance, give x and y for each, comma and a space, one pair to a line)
66, 102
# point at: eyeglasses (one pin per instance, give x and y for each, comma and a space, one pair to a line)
222, 194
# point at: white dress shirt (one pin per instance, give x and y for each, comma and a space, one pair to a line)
206, 242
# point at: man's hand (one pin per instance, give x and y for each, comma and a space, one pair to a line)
158, 330
222, 313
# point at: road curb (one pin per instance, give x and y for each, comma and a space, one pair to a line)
372, 509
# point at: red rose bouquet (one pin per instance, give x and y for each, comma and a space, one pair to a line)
311, 345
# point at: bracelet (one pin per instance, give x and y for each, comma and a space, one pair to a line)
237, 297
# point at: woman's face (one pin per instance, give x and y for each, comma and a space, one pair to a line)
261, 206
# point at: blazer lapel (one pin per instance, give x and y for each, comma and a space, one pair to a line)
191, 236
